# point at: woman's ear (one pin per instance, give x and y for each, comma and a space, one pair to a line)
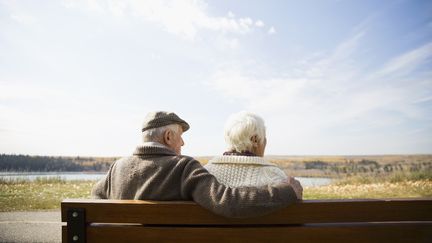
254, 140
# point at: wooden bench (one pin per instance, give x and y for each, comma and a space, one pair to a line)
393, 220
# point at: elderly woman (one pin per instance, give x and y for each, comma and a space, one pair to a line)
243, 163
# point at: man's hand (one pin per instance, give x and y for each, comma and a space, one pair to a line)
296, 186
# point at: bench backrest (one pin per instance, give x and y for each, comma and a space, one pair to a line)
392, 220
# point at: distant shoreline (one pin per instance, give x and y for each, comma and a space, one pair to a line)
294, 165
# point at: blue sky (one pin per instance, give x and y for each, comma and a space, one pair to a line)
331, 77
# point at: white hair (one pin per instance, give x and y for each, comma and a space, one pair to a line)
240, 128
156, 134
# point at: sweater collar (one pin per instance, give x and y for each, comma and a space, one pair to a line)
235, 153
233, 159
153, 149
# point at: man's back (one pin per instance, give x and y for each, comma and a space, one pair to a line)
151, 173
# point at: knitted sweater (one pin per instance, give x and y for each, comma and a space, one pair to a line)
157, 173
237, 171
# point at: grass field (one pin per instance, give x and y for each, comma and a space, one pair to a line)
40, 194
405, 189
47, 194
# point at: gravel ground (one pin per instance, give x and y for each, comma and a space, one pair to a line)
39, 226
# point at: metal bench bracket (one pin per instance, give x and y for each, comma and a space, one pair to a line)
76, 225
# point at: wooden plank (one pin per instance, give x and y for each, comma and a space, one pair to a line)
308, 211
379, 233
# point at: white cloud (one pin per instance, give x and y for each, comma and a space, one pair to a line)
94, 6
185, 18
333, 88
424, 99
259, 23
17, 13
408, 61
325, 113
23, 18
227, 43
118, 8
272, 30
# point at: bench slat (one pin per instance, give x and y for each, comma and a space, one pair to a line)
308, 211
380, 233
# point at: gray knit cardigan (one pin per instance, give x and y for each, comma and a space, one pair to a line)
157, 173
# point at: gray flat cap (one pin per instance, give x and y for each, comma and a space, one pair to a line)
163, 118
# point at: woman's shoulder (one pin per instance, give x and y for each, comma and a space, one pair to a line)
274, 172
240, 160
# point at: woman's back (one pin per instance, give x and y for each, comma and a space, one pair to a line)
238, 171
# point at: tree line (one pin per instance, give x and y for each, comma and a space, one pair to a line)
368, 166
27, 163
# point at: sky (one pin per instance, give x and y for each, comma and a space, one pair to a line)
329, 77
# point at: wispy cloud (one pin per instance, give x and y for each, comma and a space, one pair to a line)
259, 23
23, 18
17, 13
227, 43
333, 103
272, 30
407, 62
185, 18
332, 87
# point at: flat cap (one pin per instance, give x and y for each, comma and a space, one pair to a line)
163, 118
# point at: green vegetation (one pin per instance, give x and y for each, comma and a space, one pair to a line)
352, 166
20, 195
394, 177
390, 185
404, 189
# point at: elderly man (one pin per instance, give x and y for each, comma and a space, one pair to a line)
158, 171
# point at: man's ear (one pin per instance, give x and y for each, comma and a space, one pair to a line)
167, 137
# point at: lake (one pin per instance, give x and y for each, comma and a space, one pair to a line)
71, 176
68, 176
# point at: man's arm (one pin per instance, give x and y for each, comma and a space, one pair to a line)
243, 202
100, 189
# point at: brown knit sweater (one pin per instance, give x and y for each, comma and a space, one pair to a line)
157, 173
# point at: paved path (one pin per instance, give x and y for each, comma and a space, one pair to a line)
38, 226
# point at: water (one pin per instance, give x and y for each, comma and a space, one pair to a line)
314, 181
71, 176
68, 176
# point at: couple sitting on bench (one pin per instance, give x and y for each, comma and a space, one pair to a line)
238, 184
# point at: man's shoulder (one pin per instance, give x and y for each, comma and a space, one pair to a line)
186, 159
187, 162
123, 161
164, 160
177, 158
126, 158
